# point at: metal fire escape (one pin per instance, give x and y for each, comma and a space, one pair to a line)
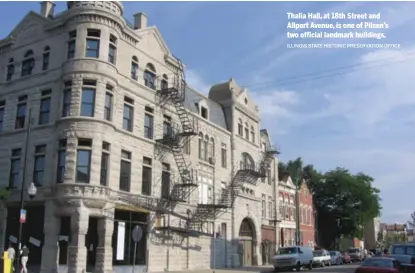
227, 197
175, 137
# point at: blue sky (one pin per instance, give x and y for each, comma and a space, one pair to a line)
360, 120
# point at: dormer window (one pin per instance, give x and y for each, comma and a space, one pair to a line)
204, 112
28, 63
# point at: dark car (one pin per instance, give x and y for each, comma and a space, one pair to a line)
405, 254
380, 265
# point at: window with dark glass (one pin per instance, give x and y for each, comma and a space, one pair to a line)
45, 103
108, 103
125, 171
105, 156
71, 44
112, 50
165, 181
28, 63
148, 122
167, 128
14, 178
240, 129
187, 146
147, 176
67, 97
92, 43
46, 53
10, 69
204, 112
83, 161
2, 107
21, 112
134, 68
164, 84
39, 165
263, 207
150, 76
128, 114
88, 98
61, 161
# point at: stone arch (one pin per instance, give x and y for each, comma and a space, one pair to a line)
248, 242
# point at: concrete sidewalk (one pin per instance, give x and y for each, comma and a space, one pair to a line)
253, 269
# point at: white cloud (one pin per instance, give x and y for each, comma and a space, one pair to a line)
196, 82
276, 103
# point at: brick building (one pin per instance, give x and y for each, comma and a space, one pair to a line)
307, 217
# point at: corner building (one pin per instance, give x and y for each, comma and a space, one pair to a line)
116, 139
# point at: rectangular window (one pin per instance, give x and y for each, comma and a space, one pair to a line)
92, 43
71, 44
165, 181
187, 146
60, 173
167, 129
88, 98
128, 114
269, 175
66, 101
224, 156
112, 50
21, 112
105, 163
263, 206
204, 112
83, 161
45, 104
45, 64
10, 71
270, 208
2, 108
125, 171
148, 122
14, 178
39, 165
108, 103
240, 129
147, 176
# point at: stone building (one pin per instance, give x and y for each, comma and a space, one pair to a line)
116, 140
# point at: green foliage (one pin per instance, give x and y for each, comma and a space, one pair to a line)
389, 239
4, 194
344, 201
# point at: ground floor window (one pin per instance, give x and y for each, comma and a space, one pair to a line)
122, 241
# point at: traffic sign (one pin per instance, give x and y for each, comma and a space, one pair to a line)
22, 216
137, 234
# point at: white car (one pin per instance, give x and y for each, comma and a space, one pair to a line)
293, 257
321, 258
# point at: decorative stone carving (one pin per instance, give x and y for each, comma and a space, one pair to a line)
71, 195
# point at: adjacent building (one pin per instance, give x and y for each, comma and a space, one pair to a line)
95, 112
371, 230
287, 207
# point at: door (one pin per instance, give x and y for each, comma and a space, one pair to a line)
247, 250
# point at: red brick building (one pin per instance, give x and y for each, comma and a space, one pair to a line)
307, 217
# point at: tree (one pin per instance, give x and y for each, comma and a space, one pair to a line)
4, 194
411, 223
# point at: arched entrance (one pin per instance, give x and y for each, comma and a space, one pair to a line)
247, 236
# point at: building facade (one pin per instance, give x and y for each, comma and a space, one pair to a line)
287, 208
371, 230
118, 145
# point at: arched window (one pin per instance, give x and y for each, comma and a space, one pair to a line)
134, 68
246, 130
211, 148
206, 144
164, 84
201, 146
240, 128
150, 76
45, 64
247, 162
10, 69
28, 63
253, 134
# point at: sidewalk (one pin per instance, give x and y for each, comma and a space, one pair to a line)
253, 269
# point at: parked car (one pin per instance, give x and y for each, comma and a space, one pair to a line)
321, 258
405, 254
294, 257
346, 258
356, 255
336, 257
380, 265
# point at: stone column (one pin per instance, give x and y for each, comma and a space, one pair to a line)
3, 227
50, 253
77, 250
103, 260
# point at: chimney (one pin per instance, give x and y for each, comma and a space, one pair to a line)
140, 20
47, 8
